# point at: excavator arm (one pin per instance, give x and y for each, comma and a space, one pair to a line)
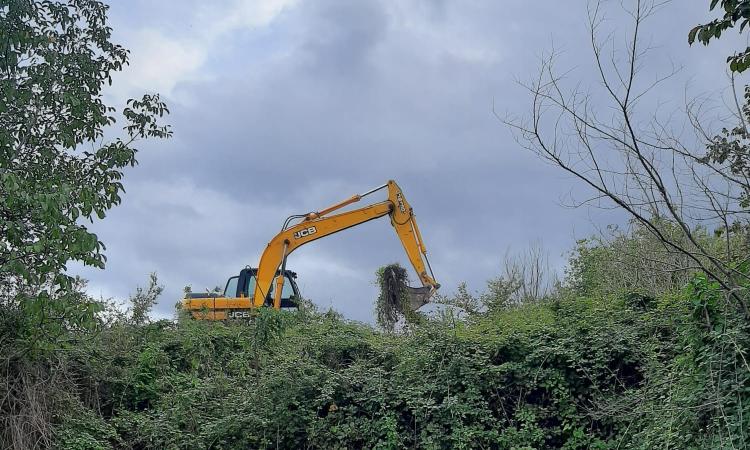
316, 225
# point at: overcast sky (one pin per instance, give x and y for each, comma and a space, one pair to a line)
285, 106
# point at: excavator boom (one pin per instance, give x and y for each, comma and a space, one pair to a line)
316, 225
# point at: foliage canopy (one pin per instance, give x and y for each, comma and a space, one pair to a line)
56, 171
735, 12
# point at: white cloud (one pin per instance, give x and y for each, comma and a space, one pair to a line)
249, 14
446, 34
157, 63
160, 61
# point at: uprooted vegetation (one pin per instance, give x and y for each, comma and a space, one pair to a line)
588, 366
392, 307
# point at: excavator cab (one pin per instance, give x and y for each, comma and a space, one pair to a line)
234, 302
243, 285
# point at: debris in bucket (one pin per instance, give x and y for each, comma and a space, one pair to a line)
393, 302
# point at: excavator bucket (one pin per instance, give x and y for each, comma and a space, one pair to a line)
398, 295
397, 301
417, 297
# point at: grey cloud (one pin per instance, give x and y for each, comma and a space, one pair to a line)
355, 93
339, 39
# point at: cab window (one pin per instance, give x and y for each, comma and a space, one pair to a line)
231, 289
286, 290
250, 288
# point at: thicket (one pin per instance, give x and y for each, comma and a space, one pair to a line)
587, 366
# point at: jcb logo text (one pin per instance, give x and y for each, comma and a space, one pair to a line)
400, 201
306, 232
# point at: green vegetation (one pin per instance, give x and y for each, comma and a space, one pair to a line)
580, 368
56, 170
735, 12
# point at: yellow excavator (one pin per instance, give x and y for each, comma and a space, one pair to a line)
271, 284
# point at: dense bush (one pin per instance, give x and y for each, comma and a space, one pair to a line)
570, 372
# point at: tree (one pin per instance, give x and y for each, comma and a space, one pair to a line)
735, 11
144, 300
640, 164
56, 171
731, 147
